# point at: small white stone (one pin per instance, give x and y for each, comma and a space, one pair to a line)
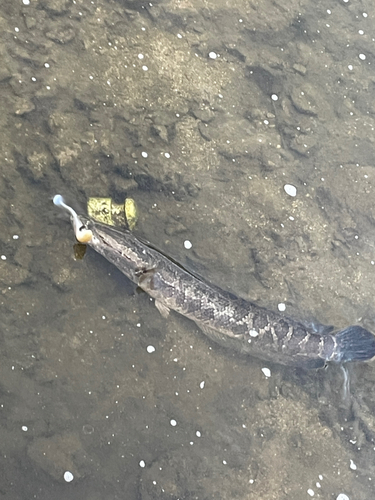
144, 154
198, 434
253, 333
150, 349
26, 2
310, 492
352, 465
140, 56
342, 496
201, 385
281, 306
266, 372
24, 428
15, 237
3, 257
290, 190
362, 57
145, 68
173, 422
188, 244
68, 476
212, 55
142, 463
274, 97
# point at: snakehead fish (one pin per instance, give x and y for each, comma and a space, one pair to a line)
232, 322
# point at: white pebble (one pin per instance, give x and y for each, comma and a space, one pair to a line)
281, 307
15, 236
145, 68
3, 257
150, 349
173, 422
290, 190
68, 476
24, 428
266, 372
140, 56
198, 434
253, 333
142, 463
201, 385
274, 97
26, 2
212, 55
342, 496
310, 492
144, 154
350, 67
362, 57
188, 244
352, 465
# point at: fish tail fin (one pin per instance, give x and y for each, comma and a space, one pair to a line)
354, 344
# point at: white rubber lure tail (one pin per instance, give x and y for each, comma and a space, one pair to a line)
82, 234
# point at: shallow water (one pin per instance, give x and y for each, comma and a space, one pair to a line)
203, 113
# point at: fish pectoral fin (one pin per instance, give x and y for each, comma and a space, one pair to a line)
163, 309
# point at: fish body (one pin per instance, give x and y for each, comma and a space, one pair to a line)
232, 322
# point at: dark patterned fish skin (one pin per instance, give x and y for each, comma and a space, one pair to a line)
235, 323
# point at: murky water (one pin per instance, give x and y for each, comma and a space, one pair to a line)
203, 112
